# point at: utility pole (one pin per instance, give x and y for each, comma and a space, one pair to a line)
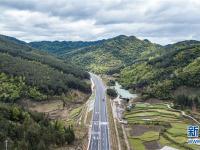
6, 144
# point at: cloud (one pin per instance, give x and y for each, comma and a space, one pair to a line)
162, 21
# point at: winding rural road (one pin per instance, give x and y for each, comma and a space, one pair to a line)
99, 138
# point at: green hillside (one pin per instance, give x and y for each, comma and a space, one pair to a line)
113, 54
154, 70
40, 72
26, 52
160, 76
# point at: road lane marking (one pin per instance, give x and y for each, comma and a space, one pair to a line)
100, 136
103, 123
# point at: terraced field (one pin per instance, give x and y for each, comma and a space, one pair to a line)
153, 126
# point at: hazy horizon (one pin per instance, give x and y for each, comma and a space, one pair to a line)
160, 21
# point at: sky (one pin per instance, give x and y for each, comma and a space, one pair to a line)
160, 21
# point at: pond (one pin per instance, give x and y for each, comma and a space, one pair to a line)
123, 93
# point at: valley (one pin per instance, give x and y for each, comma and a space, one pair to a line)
100, 75
46, 86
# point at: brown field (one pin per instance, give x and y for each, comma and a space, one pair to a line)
152, 145
138, 130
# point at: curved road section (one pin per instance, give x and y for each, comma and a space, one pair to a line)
99, 138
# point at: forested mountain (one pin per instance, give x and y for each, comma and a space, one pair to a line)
27, 73
142, 65
60, 48
161, 75
47, 74
26, 52
154, 70
113, 54
105, 56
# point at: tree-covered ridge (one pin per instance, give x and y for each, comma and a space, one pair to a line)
159, 76
60, 48
182, 44
113, 54
42, 73
12, 39
30, 130
26, 52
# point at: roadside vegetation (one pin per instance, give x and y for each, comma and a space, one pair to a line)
112, 93
113, 133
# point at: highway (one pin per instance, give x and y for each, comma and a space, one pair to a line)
99, 138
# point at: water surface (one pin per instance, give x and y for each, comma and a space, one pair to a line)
124, 93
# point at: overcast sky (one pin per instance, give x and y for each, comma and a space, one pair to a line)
160, 21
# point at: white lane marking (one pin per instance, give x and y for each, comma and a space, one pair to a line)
93, 132
103, 123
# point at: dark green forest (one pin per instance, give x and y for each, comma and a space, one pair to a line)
31, 130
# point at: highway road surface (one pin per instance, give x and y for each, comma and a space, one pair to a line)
99, 138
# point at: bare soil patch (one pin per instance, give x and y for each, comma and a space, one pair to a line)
54, 108
138, 130
46, 106
152, 145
